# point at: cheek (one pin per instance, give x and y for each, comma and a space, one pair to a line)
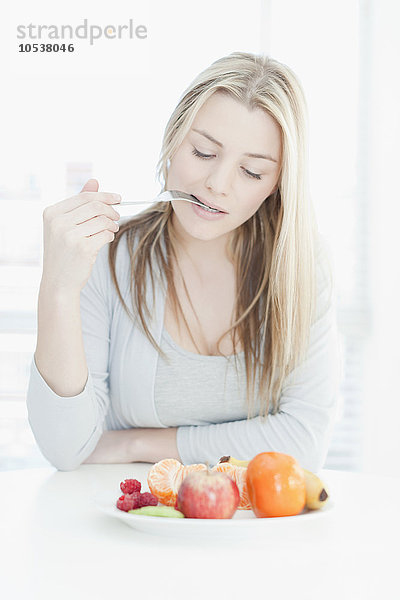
178, 171
251, 206
187, 167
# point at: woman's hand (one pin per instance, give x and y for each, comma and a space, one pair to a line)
135, 445
74, 231
114, 447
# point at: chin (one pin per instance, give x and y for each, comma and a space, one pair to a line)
206, 236
200, 231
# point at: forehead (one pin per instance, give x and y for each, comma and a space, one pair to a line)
238, 127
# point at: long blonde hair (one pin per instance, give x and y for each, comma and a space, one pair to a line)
273, 252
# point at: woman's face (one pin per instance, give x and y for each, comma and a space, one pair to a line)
213, 164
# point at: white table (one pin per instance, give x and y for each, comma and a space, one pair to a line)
54, 543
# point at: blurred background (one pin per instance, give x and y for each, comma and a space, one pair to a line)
101, 112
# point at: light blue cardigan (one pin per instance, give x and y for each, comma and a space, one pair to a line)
122, 364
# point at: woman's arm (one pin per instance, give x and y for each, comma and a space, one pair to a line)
135, 445
67, 427
60, 356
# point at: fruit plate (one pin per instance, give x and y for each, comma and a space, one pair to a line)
243, 523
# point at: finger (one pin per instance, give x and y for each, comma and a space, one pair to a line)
92, 209
70, 204
96, 241
96, 225
85, 197
92, 185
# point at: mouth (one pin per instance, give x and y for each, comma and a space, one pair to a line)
209, 206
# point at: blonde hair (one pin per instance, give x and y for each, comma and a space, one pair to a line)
273, 252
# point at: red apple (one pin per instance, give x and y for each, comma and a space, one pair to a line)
206, 495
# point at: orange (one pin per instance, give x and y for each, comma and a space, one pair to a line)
238, 475
276, 485
166, 476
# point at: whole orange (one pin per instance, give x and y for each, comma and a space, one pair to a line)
276, 485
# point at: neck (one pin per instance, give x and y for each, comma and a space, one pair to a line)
205, 255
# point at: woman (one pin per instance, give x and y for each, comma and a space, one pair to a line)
187, 334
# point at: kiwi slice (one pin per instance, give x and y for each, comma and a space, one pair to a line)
158, 511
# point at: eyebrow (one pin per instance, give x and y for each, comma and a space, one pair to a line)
251, 154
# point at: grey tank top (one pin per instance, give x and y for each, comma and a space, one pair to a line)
195, 389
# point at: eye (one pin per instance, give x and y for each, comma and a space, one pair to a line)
250, 174
200, 155
206, 156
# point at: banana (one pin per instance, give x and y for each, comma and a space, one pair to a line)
316, 492
234, 461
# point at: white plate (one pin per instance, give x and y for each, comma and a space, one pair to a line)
244, 522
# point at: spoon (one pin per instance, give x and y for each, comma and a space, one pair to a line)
168, 196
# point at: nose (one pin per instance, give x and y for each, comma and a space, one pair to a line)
219, 179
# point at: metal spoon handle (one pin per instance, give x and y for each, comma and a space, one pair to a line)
166, 196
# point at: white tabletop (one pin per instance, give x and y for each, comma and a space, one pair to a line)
55, 543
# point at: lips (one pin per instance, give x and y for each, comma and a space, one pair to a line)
210, 204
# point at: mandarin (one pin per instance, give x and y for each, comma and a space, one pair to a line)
165, 477
238, 475
276, 485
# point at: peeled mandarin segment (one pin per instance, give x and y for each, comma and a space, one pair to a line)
195, 467
164, 479
226, 467
238, 475
241, 482
176, 482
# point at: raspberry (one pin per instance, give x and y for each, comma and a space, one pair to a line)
130, 485
129, 501
148, 499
